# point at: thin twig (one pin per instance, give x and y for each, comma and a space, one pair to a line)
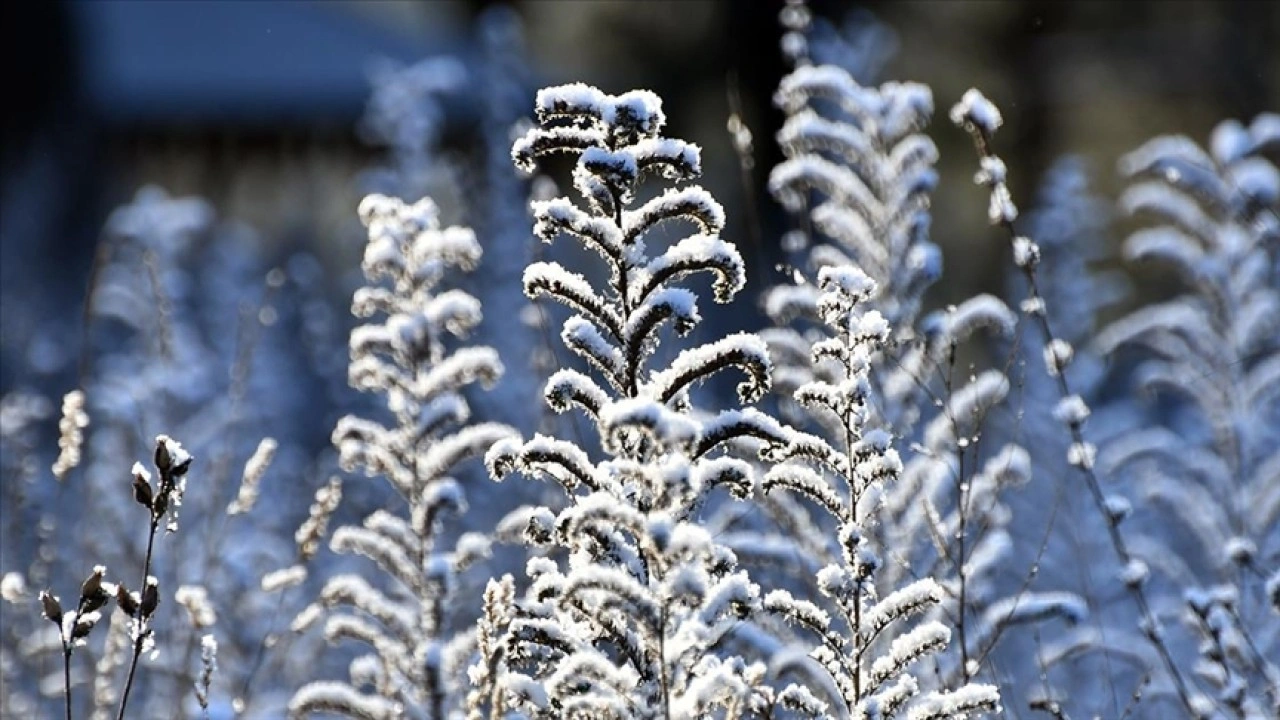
140, 635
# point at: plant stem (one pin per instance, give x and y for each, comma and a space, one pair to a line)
139, 634
66, 677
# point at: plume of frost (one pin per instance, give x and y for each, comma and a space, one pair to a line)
624, 618
405, 617
407, 114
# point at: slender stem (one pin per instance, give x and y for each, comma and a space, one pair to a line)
962, 510
139, 633
1150, 626
662, 665
66, 677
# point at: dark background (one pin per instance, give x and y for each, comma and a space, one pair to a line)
254, 106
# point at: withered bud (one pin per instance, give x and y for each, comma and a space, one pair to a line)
162, 458
84, 625
171, 458
142, 485
92, 594
52, 608
125, 600
150, 597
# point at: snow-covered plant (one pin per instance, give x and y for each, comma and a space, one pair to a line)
407, 620
624, 617
1204, 482
161, 501
861, 639
860, 173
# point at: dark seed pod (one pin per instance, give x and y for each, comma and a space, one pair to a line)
150, 597
142, 490
84, 626
180, 469
125, 600
52, 608
92, 594
162, 458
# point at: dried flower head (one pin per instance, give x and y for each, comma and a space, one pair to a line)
70, 433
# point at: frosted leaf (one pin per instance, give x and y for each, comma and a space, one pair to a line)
806, 613
925, 639
569, 387
806, 482
973, 698
734, 424
791, 181
672, 430
692, 204
561, 216
195, 600
585, 339
979, 312
1033, 606
1257, 179
978, 396
900, 604
336, 697
698, 253
742, 350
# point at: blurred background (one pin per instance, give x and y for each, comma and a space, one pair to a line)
255, 107
225, 319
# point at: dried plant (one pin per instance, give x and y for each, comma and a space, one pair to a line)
622, 618
406, 624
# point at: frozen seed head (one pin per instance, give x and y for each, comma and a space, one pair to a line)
284, 578
314, 527
195, 600
50, 607
13, 587
70, 433
254, 469
208, 666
